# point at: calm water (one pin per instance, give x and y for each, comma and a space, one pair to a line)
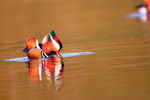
120, 69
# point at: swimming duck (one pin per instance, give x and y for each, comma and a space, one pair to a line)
144, 8
49, 47
51, 40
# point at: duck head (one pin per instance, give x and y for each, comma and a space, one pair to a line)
32, 43
142, 8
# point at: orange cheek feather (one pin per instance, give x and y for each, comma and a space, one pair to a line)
147, 2
30, 43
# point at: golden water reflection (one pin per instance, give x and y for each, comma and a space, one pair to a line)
51, 68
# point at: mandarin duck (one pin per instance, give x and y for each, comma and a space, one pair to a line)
49, 47
51, 43
144, 8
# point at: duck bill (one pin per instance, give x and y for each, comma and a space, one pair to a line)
25, 50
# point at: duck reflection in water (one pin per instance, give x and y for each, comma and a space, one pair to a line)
52, 68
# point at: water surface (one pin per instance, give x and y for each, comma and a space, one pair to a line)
119, 69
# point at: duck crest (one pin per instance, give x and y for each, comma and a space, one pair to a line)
55, 43
53, 34
49, 37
